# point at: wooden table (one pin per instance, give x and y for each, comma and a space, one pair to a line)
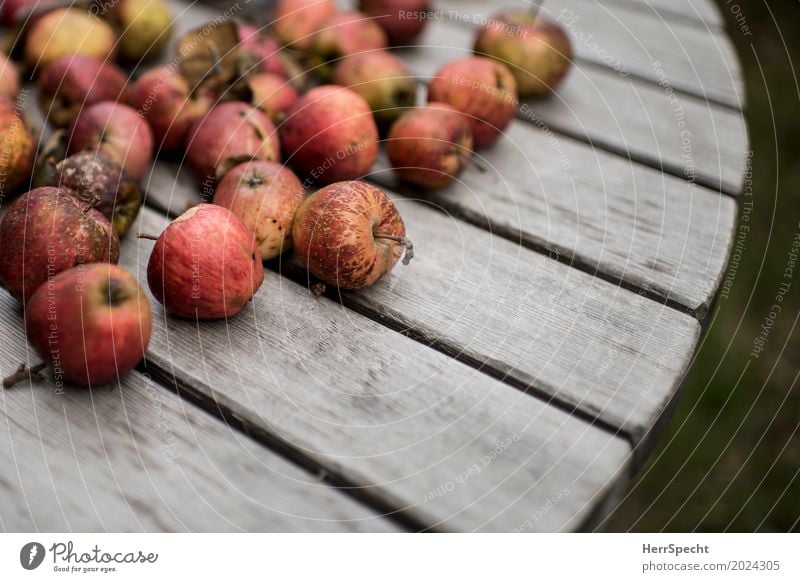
512, 378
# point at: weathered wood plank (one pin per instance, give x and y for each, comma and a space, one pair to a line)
613, 354
678, 133
445, 443
695, 60
135, 457
701, 12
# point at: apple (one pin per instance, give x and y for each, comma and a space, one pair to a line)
15, 12
46, 231
341, 35
67, 31
230, 134
145, 27
536, 49
271, 94
205, 265
349, 235
265, 196
9, 77
430, 146
482, 89
402, 20
72, 82
91, 324
383, 80
330, 135
95, 178
170, 107
260, 51
18, 149
117, 130
296, 21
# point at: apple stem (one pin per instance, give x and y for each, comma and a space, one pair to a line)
536, 6
92, 203
24, 373
478, 166
146, 236
401, 240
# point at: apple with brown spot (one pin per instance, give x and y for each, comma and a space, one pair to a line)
349, 235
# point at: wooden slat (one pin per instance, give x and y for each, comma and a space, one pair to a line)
402, 421
701, 12
681, 134
612, 353
135, 457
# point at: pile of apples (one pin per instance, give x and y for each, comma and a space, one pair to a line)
261, 117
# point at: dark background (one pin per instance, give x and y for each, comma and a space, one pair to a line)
730, 459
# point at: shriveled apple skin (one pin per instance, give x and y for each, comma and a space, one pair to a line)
334, 234
90, 324
205, 265
265, 196
47, 231
482, 89
330, 135
429, 146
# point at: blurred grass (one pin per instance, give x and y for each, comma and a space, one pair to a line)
730, 458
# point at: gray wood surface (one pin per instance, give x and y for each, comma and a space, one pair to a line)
136, 457
701, 12
696, 60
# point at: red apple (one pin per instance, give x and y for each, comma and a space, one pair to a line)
67, 31
46, 231
15, 12
265, 196
91, 324
18, 150
94, 178
482, 89
330, 135
536, 49
117, 130
383, 80
430, 146
205, 265
271, 94
166, 101
296, 21
341, 35
403, 20
262, 53
349, 234
73, 82
230, 134
9, 77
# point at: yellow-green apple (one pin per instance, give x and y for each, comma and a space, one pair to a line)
18, 150
230, 134
96, 179
429, 146
349, 235
536, 49
265, 196
296, 21
342, 35
145, 27
482, 89
383, 80
403, 20
119, 131
73, 82
91, 324
330, 135
46, 231
205, 265
67, 31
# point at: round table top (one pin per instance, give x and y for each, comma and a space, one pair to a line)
512, 378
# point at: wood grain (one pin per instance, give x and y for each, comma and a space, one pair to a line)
402, 421
696, 60
699, 12
136, 457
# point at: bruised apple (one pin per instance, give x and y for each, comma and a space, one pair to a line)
349, 235
91, 324
205, 265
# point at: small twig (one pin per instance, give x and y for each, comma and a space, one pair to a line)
409, 246
318, 289
23, 373
146, 236
92, 203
